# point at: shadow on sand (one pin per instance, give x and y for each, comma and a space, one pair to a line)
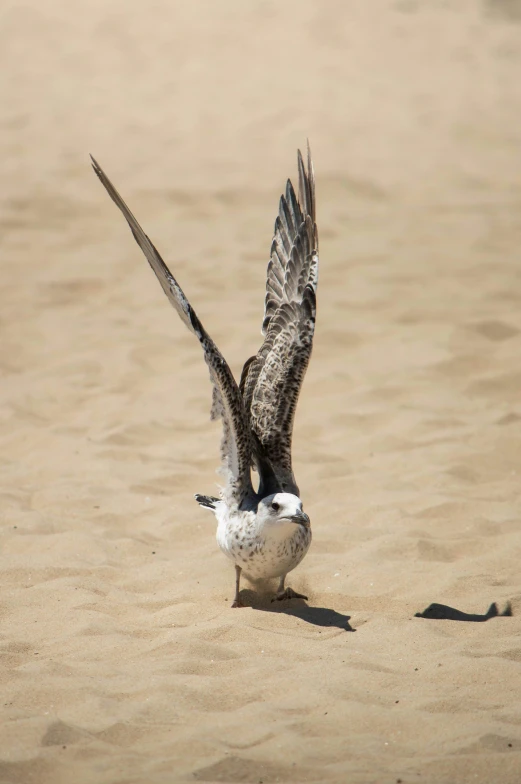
444, 612
318, 616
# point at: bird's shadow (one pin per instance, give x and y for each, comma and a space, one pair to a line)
444, 612
317, 616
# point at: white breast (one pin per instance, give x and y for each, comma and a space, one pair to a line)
261, 554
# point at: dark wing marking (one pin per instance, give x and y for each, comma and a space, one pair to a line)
236, 446
208, 501
271, 381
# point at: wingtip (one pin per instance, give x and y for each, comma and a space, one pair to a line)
311, 171
308, 156
95, 165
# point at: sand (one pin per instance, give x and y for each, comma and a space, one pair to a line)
122, 660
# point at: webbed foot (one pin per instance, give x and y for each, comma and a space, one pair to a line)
288, 593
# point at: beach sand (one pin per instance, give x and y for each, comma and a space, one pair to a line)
122, 662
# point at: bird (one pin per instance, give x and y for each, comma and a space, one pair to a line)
264, 531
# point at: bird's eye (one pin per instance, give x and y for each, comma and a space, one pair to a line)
275, 507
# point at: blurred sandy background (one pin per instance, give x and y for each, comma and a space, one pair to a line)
122, 662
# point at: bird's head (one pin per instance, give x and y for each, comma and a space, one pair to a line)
281, 509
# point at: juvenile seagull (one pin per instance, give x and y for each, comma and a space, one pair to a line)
265, 533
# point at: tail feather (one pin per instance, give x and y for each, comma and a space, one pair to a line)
208, 501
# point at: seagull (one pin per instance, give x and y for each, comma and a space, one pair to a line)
265, 532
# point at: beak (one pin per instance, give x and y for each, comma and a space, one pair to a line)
301, 518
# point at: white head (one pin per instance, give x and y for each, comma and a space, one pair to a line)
282, 509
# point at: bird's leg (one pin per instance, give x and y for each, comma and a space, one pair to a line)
287, 593
237, 601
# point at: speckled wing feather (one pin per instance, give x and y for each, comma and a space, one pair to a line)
236, 445
294, 240
271, 380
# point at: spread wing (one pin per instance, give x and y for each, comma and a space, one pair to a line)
236, 446
271, 380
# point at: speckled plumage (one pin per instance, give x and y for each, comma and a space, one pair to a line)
257, 550
265, 532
